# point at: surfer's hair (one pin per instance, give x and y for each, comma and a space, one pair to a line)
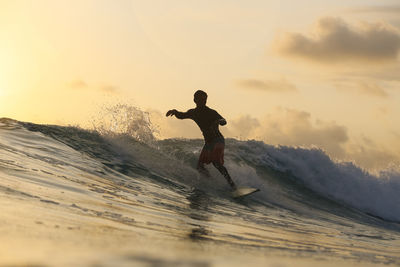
200, 94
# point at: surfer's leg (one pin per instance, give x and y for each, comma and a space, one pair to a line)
202, 170
225, 173
203, 159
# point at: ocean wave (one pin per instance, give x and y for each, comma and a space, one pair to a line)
280, 172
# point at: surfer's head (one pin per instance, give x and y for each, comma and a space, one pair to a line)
200, 98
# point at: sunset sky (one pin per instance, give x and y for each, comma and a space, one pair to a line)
316, 72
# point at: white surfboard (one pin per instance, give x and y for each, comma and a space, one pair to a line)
244, 191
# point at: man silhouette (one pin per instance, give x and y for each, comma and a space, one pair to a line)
208, 120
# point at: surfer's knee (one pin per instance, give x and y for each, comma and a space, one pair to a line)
200, 166
221, 168
202, 170
217, 165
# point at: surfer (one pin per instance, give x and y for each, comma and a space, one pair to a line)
208, 120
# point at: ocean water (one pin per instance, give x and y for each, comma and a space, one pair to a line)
74, 197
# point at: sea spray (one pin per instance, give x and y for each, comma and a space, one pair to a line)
125, 119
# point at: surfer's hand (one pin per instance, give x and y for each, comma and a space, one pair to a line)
171, 112
222, 122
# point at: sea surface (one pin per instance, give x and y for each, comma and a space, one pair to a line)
75, 197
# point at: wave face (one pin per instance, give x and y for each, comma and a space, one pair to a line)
293, 181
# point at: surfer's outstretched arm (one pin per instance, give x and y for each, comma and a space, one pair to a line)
225, 173
178, 114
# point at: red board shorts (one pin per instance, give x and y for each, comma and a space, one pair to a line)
213, 152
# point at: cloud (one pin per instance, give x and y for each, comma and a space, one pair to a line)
370, 155
335, 41
244, 126
372, 89
78, 84
377, 9
270, 85
391, 73
81, 84
291, 127
396, 134
364, 87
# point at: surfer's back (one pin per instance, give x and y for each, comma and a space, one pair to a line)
206, 118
